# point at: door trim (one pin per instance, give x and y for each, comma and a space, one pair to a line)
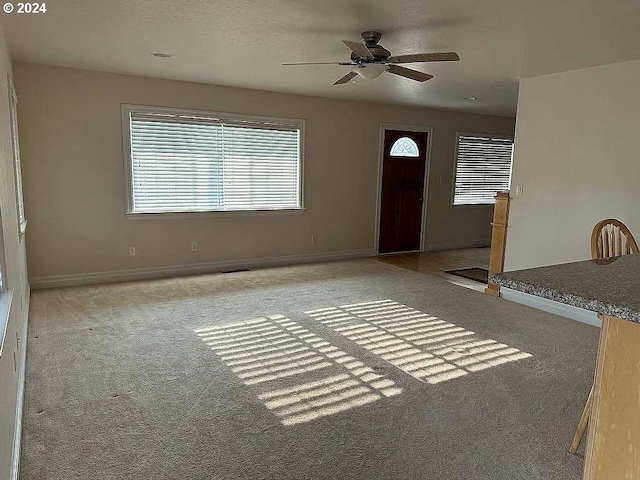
423, 224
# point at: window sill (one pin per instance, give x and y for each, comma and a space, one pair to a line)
5, 310
234, 213
473, 205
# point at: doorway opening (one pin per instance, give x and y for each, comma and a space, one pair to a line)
402, 192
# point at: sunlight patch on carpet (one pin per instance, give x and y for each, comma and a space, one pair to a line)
266, 352
427, 348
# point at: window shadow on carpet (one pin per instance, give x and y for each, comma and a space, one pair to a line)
427, 348
300, 377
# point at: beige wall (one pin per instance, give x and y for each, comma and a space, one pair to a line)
16, 274
576, 154
74, 191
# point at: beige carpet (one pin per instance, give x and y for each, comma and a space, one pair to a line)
350, 370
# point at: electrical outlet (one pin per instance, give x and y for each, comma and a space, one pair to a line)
132, 251
519, 190
194, 246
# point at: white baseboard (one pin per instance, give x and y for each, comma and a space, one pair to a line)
17, 429
192, 269
569, 311
483, 242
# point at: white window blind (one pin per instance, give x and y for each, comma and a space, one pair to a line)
13, 98
483, 168
186, 163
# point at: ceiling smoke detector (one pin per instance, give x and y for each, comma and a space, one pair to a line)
160, 55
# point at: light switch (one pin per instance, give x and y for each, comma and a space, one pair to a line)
519, 190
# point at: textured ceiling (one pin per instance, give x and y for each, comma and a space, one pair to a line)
571, 34
243, 43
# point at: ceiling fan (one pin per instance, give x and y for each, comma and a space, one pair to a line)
370, 59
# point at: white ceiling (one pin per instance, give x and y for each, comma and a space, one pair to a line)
244, 42
572, 34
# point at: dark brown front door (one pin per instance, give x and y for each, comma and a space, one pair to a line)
405, 155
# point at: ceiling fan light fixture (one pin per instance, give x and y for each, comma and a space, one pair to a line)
369, 72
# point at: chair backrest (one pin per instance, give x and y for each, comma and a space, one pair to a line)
612, 238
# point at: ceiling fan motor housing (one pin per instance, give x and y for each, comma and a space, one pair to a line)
371, 39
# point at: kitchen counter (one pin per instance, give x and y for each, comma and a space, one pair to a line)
610, 286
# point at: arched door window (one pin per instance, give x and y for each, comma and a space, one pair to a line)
405, 147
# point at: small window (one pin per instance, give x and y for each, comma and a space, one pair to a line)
180, 161
13, 112
483, 168
405, 147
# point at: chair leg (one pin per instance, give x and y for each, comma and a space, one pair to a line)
582, 424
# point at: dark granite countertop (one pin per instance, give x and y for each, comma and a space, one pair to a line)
610, 286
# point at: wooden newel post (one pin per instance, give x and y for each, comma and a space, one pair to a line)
498, 239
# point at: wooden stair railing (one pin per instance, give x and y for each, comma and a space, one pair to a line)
498, 239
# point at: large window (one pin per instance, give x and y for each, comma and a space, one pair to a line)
5, 295
180, 161
3, 280
483, 168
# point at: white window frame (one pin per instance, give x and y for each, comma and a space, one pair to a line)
455, 168
5, 293
3, 270
127, 109
17, 168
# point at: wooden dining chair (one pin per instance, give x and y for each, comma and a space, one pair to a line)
609, 238
612, 238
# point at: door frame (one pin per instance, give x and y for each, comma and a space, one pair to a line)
423, 223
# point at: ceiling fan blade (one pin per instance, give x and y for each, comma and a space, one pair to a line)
359, 49
425, 57
346, 79
320, 63
408, 73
